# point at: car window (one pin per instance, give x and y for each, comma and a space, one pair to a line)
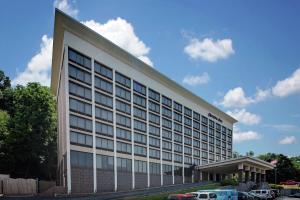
264, 192
257, 192
203, 196
212, 195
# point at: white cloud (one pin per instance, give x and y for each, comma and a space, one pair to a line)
66, 7
194, 80
208, 49
288, 86
245, 117
288, 140
239, 136
121, 32
284, 127
38, 68
236, 97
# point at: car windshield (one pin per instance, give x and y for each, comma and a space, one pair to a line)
212, 195
264, 192
203, 196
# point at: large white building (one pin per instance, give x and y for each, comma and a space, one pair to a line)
122, 125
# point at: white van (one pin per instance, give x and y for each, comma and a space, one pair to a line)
263, 194
204, 195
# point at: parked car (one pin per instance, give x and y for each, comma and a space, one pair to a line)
204, 195
224, 194
296, 195
254, 195
245, 196
289, 182
263, 194
181, 197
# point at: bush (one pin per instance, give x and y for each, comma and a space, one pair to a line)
232, 182
274, 186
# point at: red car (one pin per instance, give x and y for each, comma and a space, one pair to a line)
181, 197
289, 182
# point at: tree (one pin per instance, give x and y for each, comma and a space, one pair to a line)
250, 153
5, 92
236, 154
31, 144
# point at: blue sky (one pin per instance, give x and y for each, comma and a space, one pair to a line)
241, 56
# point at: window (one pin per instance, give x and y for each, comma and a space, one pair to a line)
80, 107
166, 112
153, 107
177, 107
167, 134
139, 113
196, 116
218, 135
123, 120
154, 168
104, 129
187, 160
218, 150
177, 148
122, 93
80, 123
103, 70
211, 132
167, 145
140, 138
211, 149
187, 131
138, 100
81, 139
139, 88
218, 142
140, 151
196, 134
153, 95
211, 123
196, 143
123, 147
196, 161
103, 143
80, 91
188, 150
177, 127
166, 101
103, 85
218, 127
178, 170
124, 165
81, 159
140, 126
166, 156
177, 158
154, 118
187, 121
211, 140
140, 166
103, 114
204, 154
123, 80
154, 153
123, 107
197, 153
204, 137
177, 138
196, 125
204, 146
224, 129
79, 74
154, 142
187, 141
154, 130
105, 162
123, 134
187, 111
177, 117
79, 58
166, 123
204, 120
103, 99
167, 170
204, 128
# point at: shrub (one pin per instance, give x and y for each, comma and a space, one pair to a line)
232, 182
274, 186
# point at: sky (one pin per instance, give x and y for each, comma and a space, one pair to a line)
241, 56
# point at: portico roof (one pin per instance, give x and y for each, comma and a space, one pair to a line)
232, 165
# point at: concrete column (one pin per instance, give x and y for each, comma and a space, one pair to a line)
263, 176
247, 173
201, 178
253, 174
258, 177
240, 173
214, 177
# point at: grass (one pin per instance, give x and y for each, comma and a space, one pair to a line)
164, 195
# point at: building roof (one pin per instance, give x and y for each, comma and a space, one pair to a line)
231, 164
64, 23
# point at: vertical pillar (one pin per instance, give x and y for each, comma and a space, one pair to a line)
94, 128
201, 178
240, 173
214, 177
247, 173
263, 176
253, 174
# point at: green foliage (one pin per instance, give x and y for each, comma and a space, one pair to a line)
232, 182
30, 145
274, 186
